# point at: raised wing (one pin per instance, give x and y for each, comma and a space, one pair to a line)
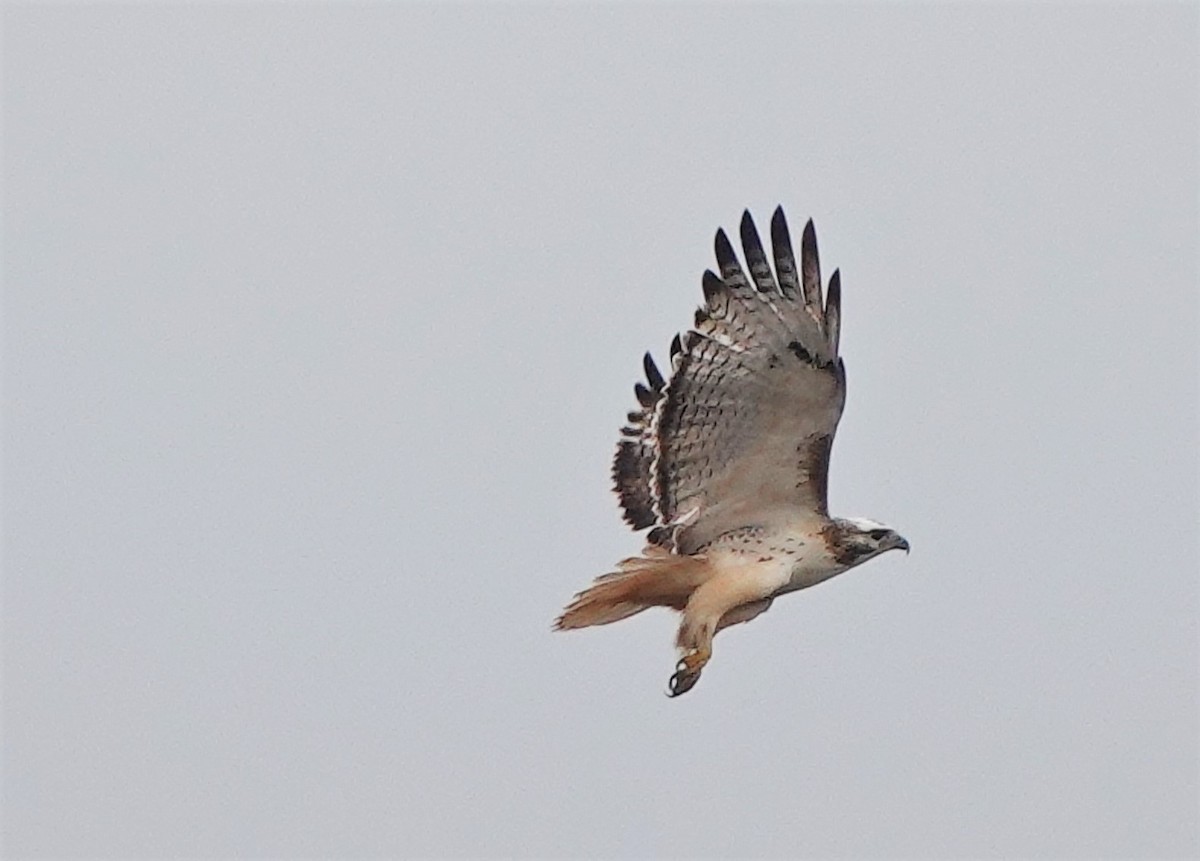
740, 434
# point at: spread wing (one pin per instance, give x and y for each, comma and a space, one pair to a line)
741, 432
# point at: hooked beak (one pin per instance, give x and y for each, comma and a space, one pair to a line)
900, 544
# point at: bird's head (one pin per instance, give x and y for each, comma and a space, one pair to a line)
859, 539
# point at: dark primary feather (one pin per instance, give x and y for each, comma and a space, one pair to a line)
727, 261
785, 261
833, 308
756, 259
652, 375
810, 267
715, 290
742, 431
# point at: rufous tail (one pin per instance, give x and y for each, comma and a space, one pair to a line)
655, 579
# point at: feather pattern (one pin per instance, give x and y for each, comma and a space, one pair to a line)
740, 432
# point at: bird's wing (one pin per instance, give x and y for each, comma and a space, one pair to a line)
741, 432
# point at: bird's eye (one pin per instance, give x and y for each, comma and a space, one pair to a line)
878, 534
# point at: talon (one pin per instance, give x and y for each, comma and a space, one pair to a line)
681, 682
687, 673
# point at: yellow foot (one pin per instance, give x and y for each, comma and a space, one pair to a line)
687, 672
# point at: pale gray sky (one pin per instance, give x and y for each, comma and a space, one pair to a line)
319, 325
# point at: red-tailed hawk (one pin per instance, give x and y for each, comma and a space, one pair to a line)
728, 460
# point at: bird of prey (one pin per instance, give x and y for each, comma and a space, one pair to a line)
727, 460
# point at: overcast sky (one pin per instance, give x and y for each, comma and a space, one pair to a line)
319, 326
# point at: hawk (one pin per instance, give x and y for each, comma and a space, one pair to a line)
727, 460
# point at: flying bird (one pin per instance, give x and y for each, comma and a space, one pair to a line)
726, 461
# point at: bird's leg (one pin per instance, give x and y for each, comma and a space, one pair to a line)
702, 619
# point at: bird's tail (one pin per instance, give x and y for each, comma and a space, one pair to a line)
655, 579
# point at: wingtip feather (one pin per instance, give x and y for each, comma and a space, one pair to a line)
722, 247
810, 267
756, 257
833, 310
779, 228
712, 285
653, 376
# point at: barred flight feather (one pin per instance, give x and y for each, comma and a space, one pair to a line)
759, 370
